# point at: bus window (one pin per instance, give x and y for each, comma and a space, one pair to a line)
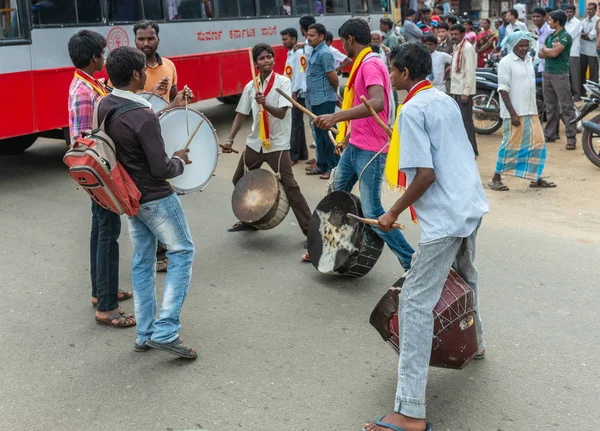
49, 12
9, 22
336, 6
236, 8
361, 6
270, 8
309, 7
134, 10
191, 9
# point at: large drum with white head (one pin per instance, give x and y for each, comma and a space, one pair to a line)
157, 102
204, 147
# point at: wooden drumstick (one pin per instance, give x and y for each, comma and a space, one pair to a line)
372, 221
377, 117
252, 67
232, 149
302, 108
189, 141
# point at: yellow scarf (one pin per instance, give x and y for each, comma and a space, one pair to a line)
349, 92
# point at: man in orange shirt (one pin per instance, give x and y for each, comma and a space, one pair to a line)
161, 73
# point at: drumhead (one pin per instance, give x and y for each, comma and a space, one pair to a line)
157, 102
204, 148
255, 195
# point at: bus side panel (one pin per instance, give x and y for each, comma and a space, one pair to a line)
51, 93
200, 73
16, 113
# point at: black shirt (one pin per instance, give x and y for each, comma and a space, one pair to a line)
141, 149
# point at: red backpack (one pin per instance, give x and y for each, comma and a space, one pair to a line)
93, 164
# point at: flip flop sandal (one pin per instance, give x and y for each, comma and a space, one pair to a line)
311, 161
306, 258
305, 244
141, 348
480, 355
176, 347
571, 146
392, 427
314, 171
544, 185
498, 186
240, 227
161, 265
122, 296
122, 321
325, 176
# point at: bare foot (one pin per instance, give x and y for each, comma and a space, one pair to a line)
408, 424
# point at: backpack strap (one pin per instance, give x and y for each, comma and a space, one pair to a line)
113, 113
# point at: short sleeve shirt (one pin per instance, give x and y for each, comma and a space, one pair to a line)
318, 86
164, 67
433, 136
559, 64
365, 133
279, 130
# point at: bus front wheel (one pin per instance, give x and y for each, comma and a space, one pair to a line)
12, 146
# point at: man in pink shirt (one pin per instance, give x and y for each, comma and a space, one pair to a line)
366, 151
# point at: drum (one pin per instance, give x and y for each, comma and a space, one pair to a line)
157, 102
259, 200
454, 331
337, 244
204, 148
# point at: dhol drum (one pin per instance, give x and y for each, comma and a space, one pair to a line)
204, 148
259, 200
157, 102
454, 331
339, 245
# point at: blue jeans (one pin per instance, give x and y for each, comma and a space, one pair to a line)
420, 293
162, 220
104, 257
349, 168
326, 157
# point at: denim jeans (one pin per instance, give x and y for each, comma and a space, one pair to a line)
420, 293
104, 257
162, 220
349, 168
326, 157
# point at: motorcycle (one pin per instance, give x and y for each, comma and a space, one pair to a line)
590, 139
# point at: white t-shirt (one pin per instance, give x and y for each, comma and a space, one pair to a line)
433, 136
279, 130
439, 61
338, 57
574, 27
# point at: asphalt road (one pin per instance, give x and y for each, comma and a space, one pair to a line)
281, 347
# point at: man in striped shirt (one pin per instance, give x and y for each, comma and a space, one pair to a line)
86, 49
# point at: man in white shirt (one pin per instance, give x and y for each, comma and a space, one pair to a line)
294, 70
589, 56
377, 39
462, 79
275, 150
542, 30
512, 17
439, 61
573, 27
523, 150
341, 60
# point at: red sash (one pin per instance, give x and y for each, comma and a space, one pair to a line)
265, 114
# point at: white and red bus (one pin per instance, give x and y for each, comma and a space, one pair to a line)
210, 52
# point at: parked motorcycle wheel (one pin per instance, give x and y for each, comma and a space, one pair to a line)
486, 123
591, 143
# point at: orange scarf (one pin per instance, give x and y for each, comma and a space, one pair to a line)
91, 81
394, 175
264, 115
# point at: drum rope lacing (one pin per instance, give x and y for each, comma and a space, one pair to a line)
277, 174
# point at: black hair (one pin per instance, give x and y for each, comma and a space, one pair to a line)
122, 62
570, 7
306, 21
469, 21
560, 16
84, 46
329, 37
504, 12
540, 11
443, 25
430, 38
259, 48
410, 12
375, 48
320, 29
387, 22
549, 10
514, 13
413, 56
425, 10
452, 19
291, 32
357, 28
439, 7
487, 20
145, 24
593, 4
459, 27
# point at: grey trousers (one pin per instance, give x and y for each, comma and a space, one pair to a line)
420, 293
575, 73
557, 93
592, 62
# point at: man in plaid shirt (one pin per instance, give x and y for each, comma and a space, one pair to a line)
86, 49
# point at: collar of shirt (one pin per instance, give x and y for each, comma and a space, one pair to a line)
544, 29
131, 96
319, 47
515, 57
159, 62
263, 84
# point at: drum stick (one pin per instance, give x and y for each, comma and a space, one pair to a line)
189, 141
302, 108
372, 221
252, 67
233, 150
377, 117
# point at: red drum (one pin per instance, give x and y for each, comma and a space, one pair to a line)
454, 331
